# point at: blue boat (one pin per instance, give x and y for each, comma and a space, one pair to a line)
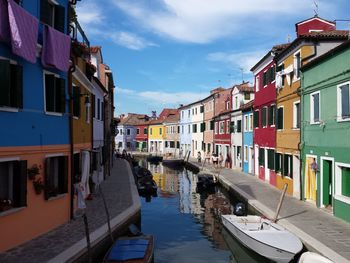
136, 249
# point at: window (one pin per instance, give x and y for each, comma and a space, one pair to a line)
211, 125
182, 129
287, 169
250, 122
232, 127
145, 131
247, 96
189, 113
227, 127
256, 119
194, 128
236, 102
195, 110
160, 131
137, 131
52, 14
93, 105
278, 162
192, 111
55, 94
239, 152
172, 144
271, 159
222, 127
245, 153
128, 145
189, 128
261, 156
264, 78
257, 83
246, 123
296, 115
182, 114
263, 116
272, 115
120, 144
342, 186
178, 129
216, 127
227, 105
13, 183
87, 109
201, 109
280, 118
239, 125
56, 176
202, 126
315, 107
151, 131
127, 131
11, 84
297, 65
343, 102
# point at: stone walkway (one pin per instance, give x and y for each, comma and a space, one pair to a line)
319, 230
48, 247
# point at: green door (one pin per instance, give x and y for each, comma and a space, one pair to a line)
327, 183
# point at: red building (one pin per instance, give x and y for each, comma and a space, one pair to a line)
222, 133
141, 136
264, 137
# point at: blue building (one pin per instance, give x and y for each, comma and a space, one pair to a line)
247, 140
34, 134
185, 124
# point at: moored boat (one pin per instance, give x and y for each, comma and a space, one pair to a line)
137, 249
263, 236
311, 257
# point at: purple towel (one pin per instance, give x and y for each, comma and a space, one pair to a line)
4, 22
24, 32
56, 49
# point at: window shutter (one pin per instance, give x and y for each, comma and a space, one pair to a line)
93, 105
60, 95
63, 179
285, 164
270, 115
16, 89
102, 111
211, 125
280, 118
59, 18
45, 12
291, 166
4, 82
50, 92
263, 117
345, 105
256, 119
48, 183
239, 126
277, 162
20, 183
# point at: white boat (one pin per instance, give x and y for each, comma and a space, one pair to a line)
263, 236
311, 257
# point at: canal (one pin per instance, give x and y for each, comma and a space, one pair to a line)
186, 224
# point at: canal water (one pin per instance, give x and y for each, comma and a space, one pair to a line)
186, 224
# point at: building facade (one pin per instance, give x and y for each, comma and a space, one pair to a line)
325, 131
247, 140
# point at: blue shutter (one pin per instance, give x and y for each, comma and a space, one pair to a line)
345, 106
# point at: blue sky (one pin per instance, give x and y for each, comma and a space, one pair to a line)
167, 52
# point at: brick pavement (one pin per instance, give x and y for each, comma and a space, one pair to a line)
119, 197
318, 229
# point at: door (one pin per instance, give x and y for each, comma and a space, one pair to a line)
310, 179
251, 159
256, 160
327, 183
267, 171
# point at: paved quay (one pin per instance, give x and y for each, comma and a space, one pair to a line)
68, 242
319, 230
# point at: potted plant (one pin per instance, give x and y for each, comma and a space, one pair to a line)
33, 171
5, 204
38, 186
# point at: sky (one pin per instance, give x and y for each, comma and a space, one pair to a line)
164, 53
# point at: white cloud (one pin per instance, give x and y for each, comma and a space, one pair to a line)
129, 40
245, 60
119, 90
89, 14
203, 21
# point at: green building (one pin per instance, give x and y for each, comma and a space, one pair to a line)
325, 132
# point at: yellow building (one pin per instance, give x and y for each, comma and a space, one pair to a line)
315, 36
156, 136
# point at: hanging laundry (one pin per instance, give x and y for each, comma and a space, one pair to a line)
56, 49
85, 174
20, 30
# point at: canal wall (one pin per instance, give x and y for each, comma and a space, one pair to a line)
318, 230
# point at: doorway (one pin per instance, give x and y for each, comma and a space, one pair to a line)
327, 183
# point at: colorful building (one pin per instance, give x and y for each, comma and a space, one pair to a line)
34, 147
247, 140
325, 131
156, 137
265, 115
241, 94
198, 128
172, 135
309, 44
209, 113
142, 136
185, 129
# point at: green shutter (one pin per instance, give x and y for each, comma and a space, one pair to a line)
45, 12
76, 101
345, 181
5, 82
280, 118
271, 159
16, 90
60, 95
20, 183
59, 18
263, 117
256, 119
285, 170
271, 114
50, 92
239, 126
277, 162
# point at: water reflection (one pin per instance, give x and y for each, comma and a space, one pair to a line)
186, 224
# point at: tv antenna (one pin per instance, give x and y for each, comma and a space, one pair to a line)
242, 70
316, 7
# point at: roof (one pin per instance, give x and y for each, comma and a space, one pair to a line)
133, 119
247, 106
95, 49
326, 55
172, 118
312, 18
166, 112
316, 36
244, 87
275, 50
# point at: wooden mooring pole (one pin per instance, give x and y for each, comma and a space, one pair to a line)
87, 234
280, 202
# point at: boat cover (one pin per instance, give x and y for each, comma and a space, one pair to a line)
128, 249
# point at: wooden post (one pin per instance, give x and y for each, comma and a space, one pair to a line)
188, 156
280, 202
87, 234
107, 214
205, 159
